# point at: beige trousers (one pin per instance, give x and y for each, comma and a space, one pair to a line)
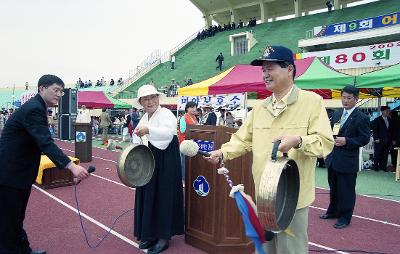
294, 240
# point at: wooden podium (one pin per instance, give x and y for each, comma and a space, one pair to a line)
213, 221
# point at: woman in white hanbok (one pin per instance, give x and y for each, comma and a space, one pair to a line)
159, 204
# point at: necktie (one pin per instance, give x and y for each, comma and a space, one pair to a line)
386, 122
343, 119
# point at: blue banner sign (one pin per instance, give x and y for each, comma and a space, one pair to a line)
358, 25
205, 146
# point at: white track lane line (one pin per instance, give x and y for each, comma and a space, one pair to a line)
96, 157
111, 181
392, 200
127, 240
97, 223
103, 178
326, 248
364, 218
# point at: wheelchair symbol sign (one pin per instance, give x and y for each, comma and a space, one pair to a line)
80, 136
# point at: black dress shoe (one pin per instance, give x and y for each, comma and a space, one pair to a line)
340, 225
38, 252
159, 247
147, 244
326, 216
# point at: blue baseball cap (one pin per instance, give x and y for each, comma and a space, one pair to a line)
275, 54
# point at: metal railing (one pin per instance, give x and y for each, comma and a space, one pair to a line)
165, 57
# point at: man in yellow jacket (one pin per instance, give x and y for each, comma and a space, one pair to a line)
296, 117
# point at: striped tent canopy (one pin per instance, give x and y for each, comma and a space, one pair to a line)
381, 83
311, 74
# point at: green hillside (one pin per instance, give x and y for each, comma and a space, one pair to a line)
197, 59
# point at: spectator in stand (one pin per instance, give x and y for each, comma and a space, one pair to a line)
172, 88
189, 82
26, 85
240, 24
112, 82
233, 25
102, 81
220, 60
173, 62
98, 83
329, 5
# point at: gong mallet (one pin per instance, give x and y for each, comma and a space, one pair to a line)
191, 148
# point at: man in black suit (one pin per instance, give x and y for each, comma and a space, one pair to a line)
382, 129
351, 130
210, 118
25, 136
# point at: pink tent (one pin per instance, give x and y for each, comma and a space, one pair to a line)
94, 99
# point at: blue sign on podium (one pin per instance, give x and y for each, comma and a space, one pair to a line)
201, 186
80, 136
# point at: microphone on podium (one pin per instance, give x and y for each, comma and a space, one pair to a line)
190, 148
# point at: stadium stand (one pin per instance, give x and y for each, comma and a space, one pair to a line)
197, 59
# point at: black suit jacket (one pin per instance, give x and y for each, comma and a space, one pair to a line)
25, 135
381, 132
357, 132
211, 119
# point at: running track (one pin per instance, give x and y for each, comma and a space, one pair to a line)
52, 222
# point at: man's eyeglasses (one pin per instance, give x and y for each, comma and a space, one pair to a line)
57, 91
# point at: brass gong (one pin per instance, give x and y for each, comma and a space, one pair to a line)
278, 192
135, 165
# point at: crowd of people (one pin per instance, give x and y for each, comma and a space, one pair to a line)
98, 83
212, 30
171, 90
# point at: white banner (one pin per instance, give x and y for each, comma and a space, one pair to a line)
383, 54
231, 101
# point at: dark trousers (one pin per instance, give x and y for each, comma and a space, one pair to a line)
13, 238
219, 66
342, 194
381, 153
393, 156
